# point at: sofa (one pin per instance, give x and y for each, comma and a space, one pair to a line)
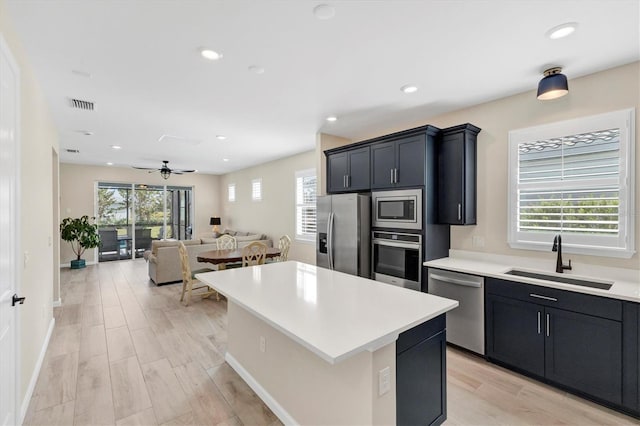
164, 260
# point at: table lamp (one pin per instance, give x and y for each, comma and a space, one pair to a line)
215, 222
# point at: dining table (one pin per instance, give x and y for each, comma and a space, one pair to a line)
226, 256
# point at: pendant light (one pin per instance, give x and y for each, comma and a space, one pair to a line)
554, 84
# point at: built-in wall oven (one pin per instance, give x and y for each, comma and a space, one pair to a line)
396, 258
397, 209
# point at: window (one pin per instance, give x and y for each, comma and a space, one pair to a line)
575, 178
256, 189
231, 192
306, 205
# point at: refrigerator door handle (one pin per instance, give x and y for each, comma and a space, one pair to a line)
330, 240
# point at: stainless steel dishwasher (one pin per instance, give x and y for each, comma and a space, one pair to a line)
465, 324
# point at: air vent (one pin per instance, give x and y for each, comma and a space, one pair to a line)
79, 104
73, 151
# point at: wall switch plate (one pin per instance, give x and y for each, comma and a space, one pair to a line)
263, 344
384, 381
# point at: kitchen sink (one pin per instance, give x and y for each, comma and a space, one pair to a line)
602, 285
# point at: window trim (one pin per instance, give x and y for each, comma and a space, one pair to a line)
542, 241
305, 238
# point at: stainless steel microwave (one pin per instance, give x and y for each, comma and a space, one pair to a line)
397, 209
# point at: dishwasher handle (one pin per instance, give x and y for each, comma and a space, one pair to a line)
456, 281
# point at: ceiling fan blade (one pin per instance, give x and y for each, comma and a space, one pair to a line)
182, 171
153, 170
144, 168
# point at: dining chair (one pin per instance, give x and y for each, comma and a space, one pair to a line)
109, 244
284, 244
226, 242
254, 254
188, 281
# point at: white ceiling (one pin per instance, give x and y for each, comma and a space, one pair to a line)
147, 78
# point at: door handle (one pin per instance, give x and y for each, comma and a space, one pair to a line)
537, 296
15, 299
548, 324
539, 322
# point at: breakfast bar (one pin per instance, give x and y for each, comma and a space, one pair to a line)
319, 346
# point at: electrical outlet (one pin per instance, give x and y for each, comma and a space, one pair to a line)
384, 381
263, 344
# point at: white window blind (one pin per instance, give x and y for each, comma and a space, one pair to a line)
573, 178
306, 205
256, 189
231, 192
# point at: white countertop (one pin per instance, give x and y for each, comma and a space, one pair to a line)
626, 282
334, 315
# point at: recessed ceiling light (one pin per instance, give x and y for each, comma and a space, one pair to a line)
221, 137
256, 69
332, 118
408, 88
209, 54
225, 160
324, 11
116, 147
562, 30
109, 163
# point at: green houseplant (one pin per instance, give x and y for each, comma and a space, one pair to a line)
81, 234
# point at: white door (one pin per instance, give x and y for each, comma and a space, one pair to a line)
9, 172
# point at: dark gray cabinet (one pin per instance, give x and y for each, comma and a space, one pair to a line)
568, 339
399, 163
457, 175
421, 393
348, 171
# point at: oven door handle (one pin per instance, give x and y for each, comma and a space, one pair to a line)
415, 246
465, 283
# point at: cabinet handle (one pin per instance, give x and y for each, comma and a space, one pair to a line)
459, 211
344, 181
348, 181
548, 324
395, 175
539, 321
537, 296
391, 177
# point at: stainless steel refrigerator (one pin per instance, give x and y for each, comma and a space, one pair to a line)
344, 233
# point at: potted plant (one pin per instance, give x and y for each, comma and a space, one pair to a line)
82, 235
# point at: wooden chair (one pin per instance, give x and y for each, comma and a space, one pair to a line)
226, 242
254, 254
284, 244
188, 281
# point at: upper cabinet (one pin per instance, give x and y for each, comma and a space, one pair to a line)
398, 163
348, 170
457, 175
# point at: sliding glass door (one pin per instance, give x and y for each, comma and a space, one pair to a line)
130, 216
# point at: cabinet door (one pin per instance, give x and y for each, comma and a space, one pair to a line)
421, 383
358, 176
451, 179
336, 172
383, 162
410, 161
514, 333
585, 353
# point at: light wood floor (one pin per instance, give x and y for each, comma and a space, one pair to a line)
126, 352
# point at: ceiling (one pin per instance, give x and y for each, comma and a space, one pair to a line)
139, 62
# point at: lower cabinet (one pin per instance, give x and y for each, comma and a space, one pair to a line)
421, 393
581, 342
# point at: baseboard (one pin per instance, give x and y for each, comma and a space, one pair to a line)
57, 303
36, 372
266, 397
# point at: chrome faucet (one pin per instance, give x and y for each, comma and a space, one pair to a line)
557, 246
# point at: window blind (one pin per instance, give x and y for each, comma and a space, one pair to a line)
256, 189
231, 192
306, 205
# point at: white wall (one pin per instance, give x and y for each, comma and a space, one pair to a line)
77, 183
609, 90
274, 215
38, 137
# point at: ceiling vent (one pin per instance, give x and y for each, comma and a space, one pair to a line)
73, 151
80, 104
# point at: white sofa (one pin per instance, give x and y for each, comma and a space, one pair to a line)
164, 261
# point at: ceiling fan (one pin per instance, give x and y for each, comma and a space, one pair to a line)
165, 171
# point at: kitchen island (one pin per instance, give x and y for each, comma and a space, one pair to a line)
319, 346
